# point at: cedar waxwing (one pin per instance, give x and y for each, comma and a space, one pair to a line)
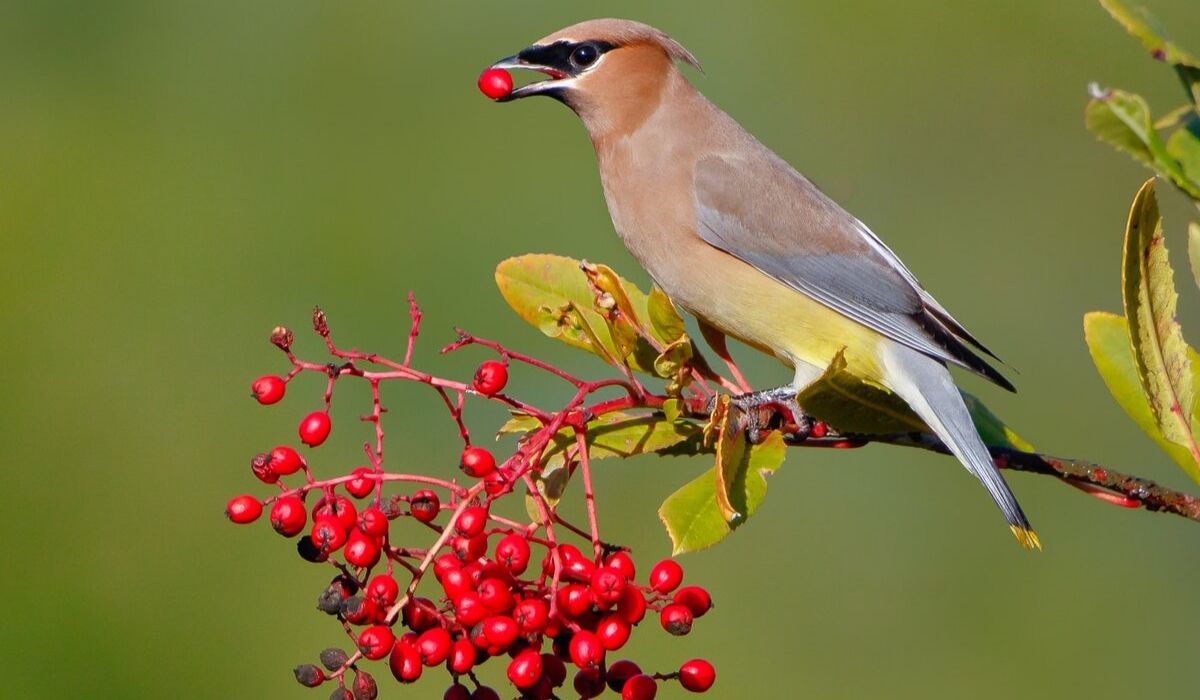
751, 247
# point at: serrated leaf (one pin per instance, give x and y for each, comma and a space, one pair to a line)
691, 514
731, 452
620, 434
665, 320
1194, 250
1184, 147
1109, 344
538, 287
1148, 290
1146, 29
853, 405
518, 423
1122, 120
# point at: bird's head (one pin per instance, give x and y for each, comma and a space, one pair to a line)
609, 71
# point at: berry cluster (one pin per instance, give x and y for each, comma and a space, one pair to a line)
511, 591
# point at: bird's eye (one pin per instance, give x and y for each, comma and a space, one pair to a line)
585, 55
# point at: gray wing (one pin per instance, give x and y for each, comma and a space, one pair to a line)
765, 213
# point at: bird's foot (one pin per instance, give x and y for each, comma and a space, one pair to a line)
772, 409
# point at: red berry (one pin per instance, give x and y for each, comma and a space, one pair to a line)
243, 509
485, 693
501, 631
419, 614
553, 670
491, 376
632, 605
472, 521
469, 549
613, 632
361, 550
607, 585
405, 662
360, 487
288, 516
268, 389
477, 462
695, 598
697, 675
666, 576
621, 561
376, 641
434, 646
456, 583
424, 505
640, 687
621, 671
513, 552
586, 649
525, 670
383, 589
365, 687
458, 691
444, 564
589, 683
573, 600
676, 619
462, 656
469, 609
495, 83
340, 508
285, 460
373, 522
309, 676
328, 535
359, 610
531, 615
315, 428
496, 595
495, 483
260, 464
575, 565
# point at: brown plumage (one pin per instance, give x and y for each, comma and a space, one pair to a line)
749, 245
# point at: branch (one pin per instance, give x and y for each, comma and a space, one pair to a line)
1109, 485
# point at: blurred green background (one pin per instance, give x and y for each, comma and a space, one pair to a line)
178, 177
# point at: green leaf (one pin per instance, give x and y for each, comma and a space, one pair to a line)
1194, 250
1146, 29
1109, 344
1122, 120
623, 435
518, 423
1184, 147
548, 291
852, 405
665, 320
1159, 350
691, 515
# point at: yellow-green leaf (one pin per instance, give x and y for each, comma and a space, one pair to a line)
1146, 29
620, 434
1159, 350
691, 515
546, 290
1184, 147
665, 320
1108, 343
853, 405
1122, 120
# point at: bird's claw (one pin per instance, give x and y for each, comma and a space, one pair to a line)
773, 409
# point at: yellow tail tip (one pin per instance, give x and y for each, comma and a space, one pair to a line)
1027, 538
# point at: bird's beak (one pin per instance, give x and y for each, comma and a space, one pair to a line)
552, 86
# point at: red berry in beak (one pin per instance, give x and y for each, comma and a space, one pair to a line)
495, 83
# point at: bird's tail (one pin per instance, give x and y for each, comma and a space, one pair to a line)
926, 385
